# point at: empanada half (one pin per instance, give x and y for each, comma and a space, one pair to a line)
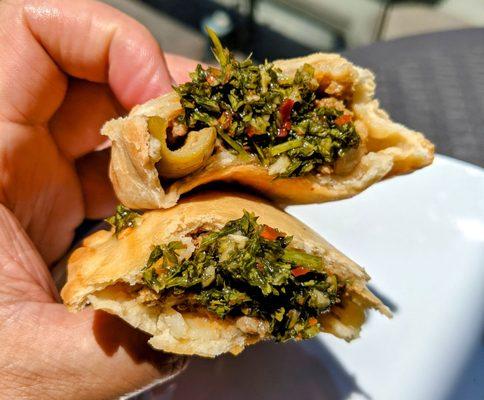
146, 174
244, 281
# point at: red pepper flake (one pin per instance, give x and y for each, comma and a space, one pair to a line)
343, 119
285, 110
299, 271
284, 130
270, 233
312, 321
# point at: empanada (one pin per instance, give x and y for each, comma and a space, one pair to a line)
300, 130
216, 273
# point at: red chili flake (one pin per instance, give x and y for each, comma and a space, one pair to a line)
270, 233
312, 321
284, 130
343, 119
285, 110
299, 271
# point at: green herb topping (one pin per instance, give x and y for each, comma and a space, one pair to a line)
124, 218
247, 269
290, 124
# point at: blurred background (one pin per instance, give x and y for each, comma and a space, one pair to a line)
287, 28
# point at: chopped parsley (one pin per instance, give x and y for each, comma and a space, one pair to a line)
259, 112
247, 269
124, 218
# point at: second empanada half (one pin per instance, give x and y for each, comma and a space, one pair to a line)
216, 273
299, 131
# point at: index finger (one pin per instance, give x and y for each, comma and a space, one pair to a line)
84, 39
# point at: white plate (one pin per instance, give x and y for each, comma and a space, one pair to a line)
421, 238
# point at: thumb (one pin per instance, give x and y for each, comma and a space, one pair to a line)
47, 352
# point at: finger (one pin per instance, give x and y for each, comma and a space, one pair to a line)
23, 274
31, 85
77, 123
99, 198
180, 67
77, 356
85, 39
88, 355
114, 47
40, 187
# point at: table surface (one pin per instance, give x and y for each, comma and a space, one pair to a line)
434, 83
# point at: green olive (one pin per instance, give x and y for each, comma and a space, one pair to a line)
197, 148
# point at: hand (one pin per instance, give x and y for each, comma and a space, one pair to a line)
65, 68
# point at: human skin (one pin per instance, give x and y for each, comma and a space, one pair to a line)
65, 68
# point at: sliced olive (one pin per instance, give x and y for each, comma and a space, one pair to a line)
198, 147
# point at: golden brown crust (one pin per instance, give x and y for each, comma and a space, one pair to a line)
387, 148
104, 262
